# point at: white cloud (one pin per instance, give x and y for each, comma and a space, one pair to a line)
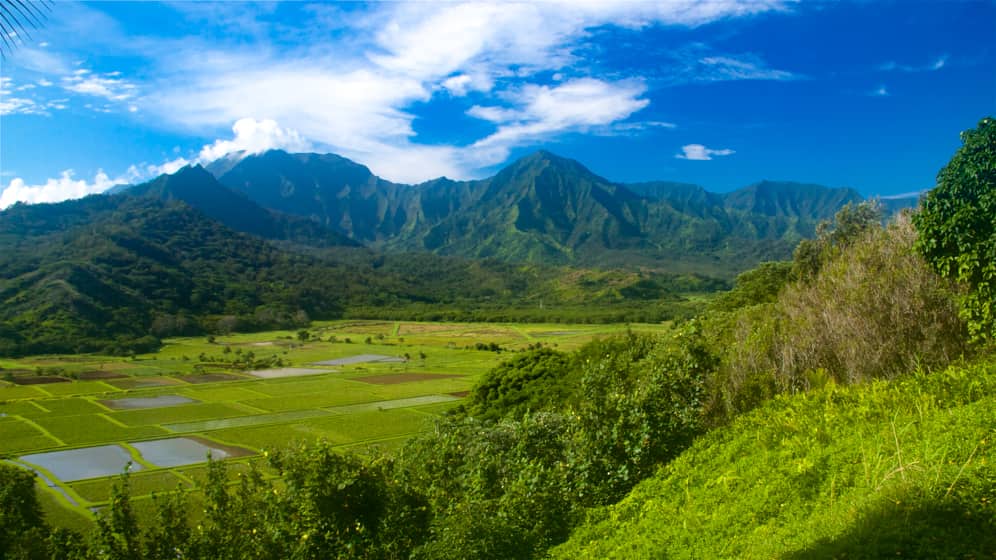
893, 66
698, 152
880, 91
354, 94
66, 186
728, 68
254, 137
571, 106
107, 86
11, 105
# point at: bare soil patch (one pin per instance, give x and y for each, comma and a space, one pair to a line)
97, 374
39, 379
460, 394
210, 378
410, 328
395, 379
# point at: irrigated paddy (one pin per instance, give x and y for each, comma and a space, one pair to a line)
165, 412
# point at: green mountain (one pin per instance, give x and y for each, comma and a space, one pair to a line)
199, 189
541, 208
114, 273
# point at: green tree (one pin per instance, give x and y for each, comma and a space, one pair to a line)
957, 226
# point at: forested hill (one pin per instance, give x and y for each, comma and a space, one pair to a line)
541, 208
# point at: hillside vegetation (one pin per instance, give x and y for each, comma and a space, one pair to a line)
900, 468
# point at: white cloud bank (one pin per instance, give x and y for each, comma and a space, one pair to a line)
250, 137
698, 152
64, 187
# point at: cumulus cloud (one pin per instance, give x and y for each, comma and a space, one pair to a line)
254, 137
64, 187
698, 152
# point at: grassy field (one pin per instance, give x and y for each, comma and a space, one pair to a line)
358, 407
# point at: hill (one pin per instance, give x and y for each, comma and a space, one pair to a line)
892, 469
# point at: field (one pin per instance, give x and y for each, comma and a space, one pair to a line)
243, 394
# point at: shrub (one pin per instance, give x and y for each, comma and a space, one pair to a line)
957, 225
875, 310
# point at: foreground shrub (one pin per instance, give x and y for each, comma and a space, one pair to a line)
874, 310
957, 225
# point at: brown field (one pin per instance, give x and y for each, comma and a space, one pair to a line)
422, 328
143, 382
397, 378
210, 378
39, 380
96, 374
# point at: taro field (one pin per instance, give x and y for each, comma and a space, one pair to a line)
364, 386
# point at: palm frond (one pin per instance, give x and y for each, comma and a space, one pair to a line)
18, 18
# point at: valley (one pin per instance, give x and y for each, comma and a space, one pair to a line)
363, 386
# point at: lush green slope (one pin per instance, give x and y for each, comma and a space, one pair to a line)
900, 469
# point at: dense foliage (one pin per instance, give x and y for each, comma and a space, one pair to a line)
957, 225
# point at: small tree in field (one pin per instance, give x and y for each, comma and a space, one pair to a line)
957, 226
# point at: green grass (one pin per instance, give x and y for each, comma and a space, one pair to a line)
78, 388
58, 513
172, 414
362, 426
18, 436
901, 469
141, 483
263, 437
67, 407
79, 430
9, 391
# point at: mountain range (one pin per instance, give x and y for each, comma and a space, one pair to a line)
541, 208
269, 240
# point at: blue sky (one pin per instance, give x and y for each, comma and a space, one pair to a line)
722, 93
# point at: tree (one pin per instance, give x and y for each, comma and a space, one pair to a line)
957, 226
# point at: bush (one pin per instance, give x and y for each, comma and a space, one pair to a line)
875, 310
957, 225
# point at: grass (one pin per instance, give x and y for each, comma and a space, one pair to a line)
20, 436
180, 413
890, 469
141, 483
91, 428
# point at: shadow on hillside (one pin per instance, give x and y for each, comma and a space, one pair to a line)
948, 530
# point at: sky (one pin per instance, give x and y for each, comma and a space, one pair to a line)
723, 93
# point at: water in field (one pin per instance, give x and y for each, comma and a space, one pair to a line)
79, 464
286, 372
175, 452
132, 403
359, 359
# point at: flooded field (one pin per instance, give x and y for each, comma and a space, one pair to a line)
160, 401
88, 462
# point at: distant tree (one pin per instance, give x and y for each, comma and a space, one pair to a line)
957, 226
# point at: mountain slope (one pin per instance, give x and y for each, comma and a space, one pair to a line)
541, 208
199, 189
889, 469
